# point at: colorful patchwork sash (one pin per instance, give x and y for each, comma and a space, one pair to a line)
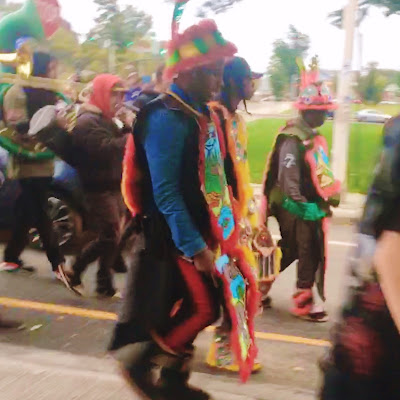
239, 282
317, 157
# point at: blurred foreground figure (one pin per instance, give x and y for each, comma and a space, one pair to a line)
175, 185
34, 175
299, 190
364, 363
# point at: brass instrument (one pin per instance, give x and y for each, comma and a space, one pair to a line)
56, 85
22, 60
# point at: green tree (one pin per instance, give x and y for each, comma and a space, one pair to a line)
336, 17
213, 6
389, 7
283, 66
73, 56
278, 81
64, 44
216, 7
92, 57
120, 25
371, 86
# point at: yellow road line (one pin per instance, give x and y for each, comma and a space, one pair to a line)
277, 337
58, 309
108, 316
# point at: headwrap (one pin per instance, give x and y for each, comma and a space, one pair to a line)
101, 93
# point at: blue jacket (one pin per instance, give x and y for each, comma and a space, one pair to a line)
164, 137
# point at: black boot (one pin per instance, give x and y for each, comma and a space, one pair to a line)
137, 363
174, 382
119, 265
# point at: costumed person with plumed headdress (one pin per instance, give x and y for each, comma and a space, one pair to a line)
257, 245
174, 182
300, 189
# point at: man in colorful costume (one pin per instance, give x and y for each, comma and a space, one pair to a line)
175, 184
299, 190
238, 86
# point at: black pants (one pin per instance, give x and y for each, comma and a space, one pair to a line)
156, 284
303, 241
104, 218
31, 212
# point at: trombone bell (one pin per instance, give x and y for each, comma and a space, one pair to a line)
22, 60
10, 58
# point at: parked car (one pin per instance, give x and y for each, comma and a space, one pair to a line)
389, 102
372, 116
66, 205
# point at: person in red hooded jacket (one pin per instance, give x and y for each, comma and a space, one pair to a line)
95, 149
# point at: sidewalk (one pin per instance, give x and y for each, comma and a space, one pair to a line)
349, 211
32, 374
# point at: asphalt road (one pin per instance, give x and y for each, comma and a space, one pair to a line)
285, 349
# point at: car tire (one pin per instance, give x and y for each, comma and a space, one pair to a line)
67, 223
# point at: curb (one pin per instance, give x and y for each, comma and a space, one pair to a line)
69, 376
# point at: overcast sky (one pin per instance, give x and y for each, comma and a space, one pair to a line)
254, 25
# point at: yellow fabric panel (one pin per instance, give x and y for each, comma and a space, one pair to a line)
189, 51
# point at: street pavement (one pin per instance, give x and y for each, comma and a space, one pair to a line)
61, 353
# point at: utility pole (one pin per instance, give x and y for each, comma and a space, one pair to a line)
341, 125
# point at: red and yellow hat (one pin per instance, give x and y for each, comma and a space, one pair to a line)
199, 45
314, 94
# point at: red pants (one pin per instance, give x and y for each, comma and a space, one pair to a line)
198, 308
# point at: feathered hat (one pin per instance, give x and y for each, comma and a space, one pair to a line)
197, 46
314, 94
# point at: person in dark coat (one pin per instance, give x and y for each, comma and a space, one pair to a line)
95, 149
